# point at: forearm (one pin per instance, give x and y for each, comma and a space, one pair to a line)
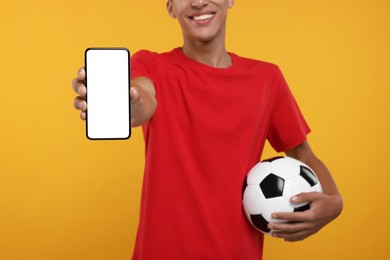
143, 102
326, 206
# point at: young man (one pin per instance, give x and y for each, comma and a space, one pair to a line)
206, 115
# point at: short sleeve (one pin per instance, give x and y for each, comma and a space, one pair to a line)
288, 127
143, 63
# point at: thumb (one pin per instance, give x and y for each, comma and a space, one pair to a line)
135, 95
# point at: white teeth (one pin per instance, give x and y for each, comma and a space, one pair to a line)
203, 17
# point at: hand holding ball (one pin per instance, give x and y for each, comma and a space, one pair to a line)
269, 187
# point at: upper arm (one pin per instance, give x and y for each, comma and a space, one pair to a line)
305, 154
302, 152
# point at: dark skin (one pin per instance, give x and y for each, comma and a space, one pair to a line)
324, 207
203, 24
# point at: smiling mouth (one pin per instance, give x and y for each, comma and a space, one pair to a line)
202, 17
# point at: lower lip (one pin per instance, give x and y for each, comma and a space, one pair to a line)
203, 22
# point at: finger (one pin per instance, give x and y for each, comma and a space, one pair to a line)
83, 115
290, 227
80, 104
292, 231
291, 216
135, 95
79, 87
292, 237
81, 74
305, 197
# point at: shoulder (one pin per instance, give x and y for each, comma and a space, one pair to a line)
150, 55
151, 60
144, 55
149, 64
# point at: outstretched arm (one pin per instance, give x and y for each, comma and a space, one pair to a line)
143, 100
142, 93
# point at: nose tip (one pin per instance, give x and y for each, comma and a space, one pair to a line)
199, 3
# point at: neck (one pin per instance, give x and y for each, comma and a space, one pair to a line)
211, 53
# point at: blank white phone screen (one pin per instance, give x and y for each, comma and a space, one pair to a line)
108, 97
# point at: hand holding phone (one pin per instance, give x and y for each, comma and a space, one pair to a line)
107, 79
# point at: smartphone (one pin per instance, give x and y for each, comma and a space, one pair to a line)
107, 79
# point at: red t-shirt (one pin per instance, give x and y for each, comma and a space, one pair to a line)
208, 131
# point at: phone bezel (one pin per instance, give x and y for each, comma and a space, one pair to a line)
86, 85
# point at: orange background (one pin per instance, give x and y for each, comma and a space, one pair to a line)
65, 197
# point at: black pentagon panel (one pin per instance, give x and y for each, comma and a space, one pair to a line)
272, 159
302, 208
272, 186
308, 175
244, 187
260, 222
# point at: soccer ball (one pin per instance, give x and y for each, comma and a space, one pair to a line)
269, 186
